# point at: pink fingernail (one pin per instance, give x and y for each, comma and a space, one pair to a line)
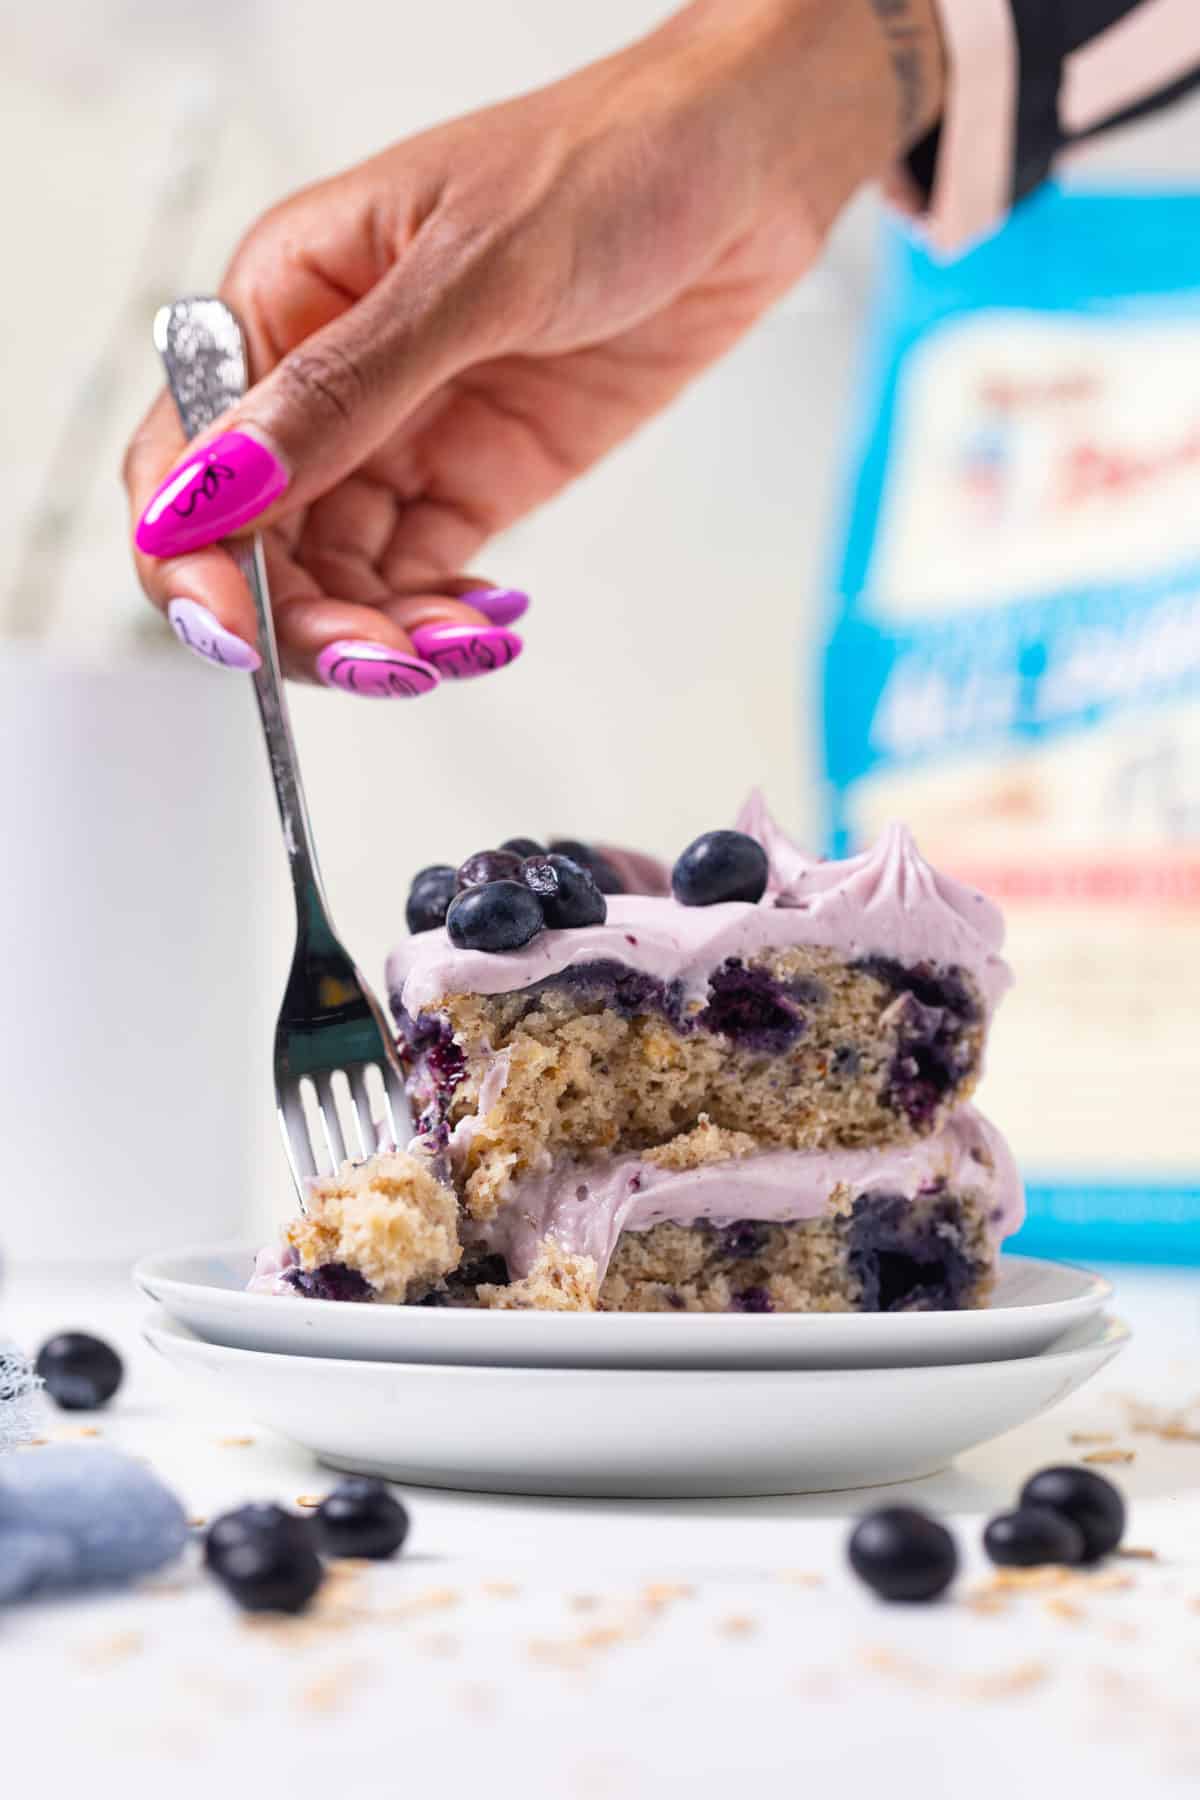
204, 634
224, 486
460, 652
375, 671
500, 606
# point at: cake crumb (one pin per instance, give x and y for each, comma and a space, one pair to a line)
738, 1625
330, 1691
1110, 1456
557, 1282
1137, 1552
556, 1653
198, 1521
657, 1594
1050, 1578
583, 1602
1002, 1684
806, 1578
309, 1500
106, 1652
501, 1590
431, 1600
602, 1637
994, 1684
234, 1443
1059, 1607
1171, 1427
388, 1218
883, 1661
1091, 1437
1048, 1575
986, 1601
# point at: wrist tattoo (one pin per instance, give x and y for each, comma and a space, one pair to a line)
903, 36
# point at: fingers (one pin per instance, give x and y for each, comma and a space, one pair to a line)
338, 622
340, 642
323, 409
388, 647
460, 640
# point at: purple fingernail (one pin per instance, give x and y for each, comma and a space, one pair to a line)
204, 634
460, 652
223, 486
375, 671
500, 606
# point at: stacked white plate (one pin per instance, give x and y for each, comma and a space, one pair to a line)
632, 1404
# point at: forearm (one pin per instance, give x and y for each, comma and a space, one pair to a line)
821, 95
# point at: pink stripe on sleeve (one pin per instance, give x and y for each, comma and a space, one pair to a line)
972, 184
1141, 53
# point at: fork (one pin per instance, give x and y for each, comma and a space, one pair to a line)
330, 1026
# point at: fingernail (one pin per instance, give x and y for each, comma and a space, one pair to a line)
204, 633
374, 670
226, 485
500, 606
460, 652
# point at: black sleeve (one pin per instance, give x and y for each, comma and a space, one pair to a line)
1047, 32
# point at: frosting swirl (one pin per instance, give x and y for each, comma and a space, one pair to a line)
886, 902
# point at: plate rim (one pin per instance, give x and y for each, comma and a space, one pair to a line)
1110, 1331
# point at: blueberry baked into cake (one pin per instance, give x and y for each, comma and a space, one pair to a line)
743, 1087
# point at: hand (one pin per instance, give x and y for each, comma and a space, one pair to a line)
444, 336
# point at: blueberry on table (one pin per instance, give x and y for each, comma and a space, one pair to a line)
597, 864
524, 847
500, 915
488, 865
903, 1554
1091, 1503
265, 1559
361, 1517
1031, 1536
259, 1520
81, 1372
429, 896
721, 865
567, 891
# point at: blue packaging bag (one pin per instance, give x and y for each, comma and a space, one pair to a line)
1012, 665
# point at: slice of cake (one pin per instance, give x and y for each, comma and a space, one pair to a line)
746, 1094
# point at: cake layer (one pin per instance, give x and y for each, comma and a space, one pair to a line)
721, 1179
705, 1223
800, 1050
885, 1254
848, 1008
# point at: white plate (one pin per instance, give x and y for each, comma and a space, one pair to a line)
1034, 1303
626, 1432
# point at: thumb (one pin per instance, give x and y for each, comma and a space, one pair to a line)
329, 403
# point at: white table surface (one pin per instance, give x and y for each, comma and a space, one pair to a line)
532, 1647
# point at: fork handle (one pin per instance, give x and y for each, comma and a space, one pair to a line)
204, 354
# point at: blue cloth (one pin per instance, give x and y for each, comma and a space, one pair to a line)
77, 1515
